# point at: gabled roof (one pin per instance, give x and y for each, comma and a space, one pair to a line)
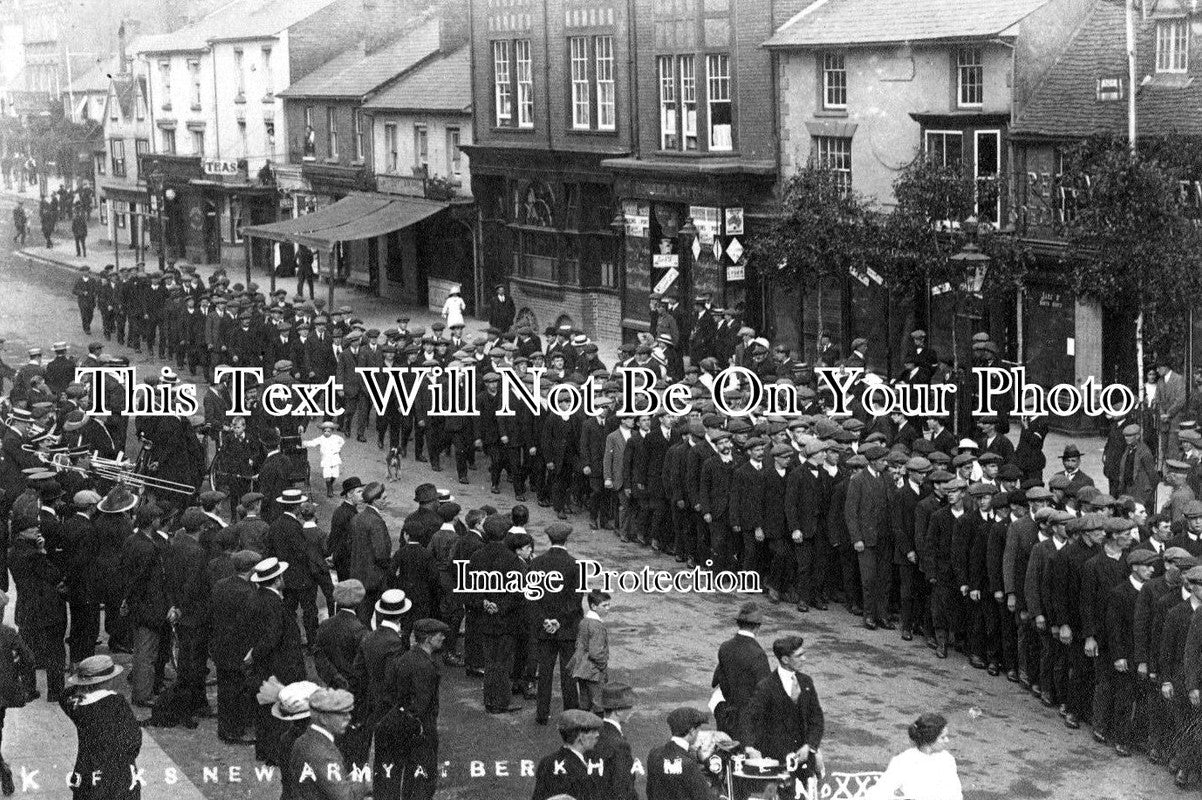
124, 90
862, 22
440, 84
354, 73
236, 20
1065, 104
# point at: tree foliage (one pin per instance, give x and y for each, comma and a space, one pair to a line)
823, 230
1134, 239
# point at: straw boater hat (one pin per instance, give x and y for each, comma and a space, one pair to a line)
94, 670
118, 500
293, 701
393, 603
268, 570
291, 497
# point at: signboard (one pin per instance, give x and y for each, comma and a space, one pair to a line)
705, 220
736, 273
212, 166
638, 219
876, 276
669, 278
734, 221
665, 261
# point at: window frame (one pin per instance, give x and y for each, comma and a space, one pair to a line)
198, 138
503, 100
165, 79
690, 140
243, 138
718, 85
117, 157
943, 134
1175, 33
830, 87
454, 153
309, 142
996, 133
579, 83
606, 85
332, 133
669, 103
101, 163
421, 142
391, 148
357, 135
240, 73
196, 96
969, 67
268, 73
167, 140
524, 75
825, 160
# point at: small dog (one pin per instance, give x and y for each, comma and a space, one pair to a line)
394, 464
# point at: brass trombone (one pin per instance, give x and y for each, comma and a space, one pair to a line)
121, 471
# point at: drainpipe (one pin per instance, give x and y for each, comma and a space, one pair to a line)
547, 75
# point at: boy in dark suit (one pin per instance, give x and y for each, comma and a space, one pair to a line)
568, 771
783, 717
672, 771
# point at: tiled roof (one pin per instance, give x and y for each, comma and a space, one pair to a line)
355, 74
94, 77
1065, 103
441, 84
236, 20
859, 22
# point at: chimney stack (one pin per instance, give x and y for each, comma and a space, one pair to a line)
123, 62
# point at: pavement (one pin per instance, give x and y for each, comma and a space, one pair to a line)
871, 684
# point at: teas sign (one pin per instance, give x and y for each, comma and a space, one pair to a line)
216, 167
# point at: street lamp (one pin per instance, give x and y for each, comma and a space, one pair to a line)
157, 201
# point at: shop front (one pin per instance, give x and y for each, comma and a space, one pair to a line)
685, 234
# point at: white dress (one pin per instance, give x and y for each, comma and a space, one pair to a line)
330, 448
453, 310
916, 775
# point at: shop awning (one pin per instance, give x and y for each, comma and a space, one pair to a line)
356, 216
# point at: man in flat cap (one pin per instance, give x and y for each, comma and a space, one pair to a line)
1066, 576
339, 636
924, 358
672, 770
411, 688
556, 618
742, 664
1137, 471
315, 763
1189, 536
867, 510
1120, 647
232, 633
572, 770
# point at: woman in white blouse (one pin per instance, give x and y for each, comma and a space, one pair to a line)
927, 771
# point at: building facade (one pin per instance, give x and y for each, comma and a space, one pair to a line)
121, 187
212, 95
864, 90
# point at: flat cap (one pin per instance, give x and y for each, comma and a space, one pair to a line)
1038, 493
1176, 465
1141, 557
874, 452
982, 489
918, 464
576, 720
956, 484
1132, 430
1193, 509
684, 719
1175, 554
331, 701
429, 625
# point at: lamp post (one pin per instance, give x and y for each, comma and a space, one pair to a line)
155, 179
618, 226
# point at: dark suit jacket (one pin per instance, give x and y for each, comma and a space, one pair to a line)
231, 621
564, 605
614, 751
376, 649
277, 651
674, 774
563, 772
286, 541
338, 640
866, 508
411, 682
370, 550
776, 725
742, 664
312, 756
274, 477
186, 564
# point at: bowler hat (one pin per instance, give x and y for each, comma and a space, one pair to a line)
616, 696
351, 484
425, 493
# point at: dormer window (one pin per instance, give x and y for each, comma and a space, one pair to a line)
1172, 45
